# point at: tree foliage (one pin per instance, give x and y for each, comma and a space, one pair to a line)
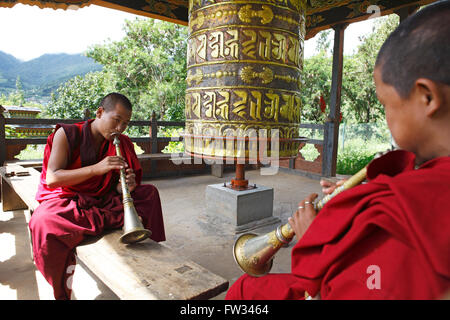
77, 95
148, 65
359, 103
316, 83
359, 88
16, 97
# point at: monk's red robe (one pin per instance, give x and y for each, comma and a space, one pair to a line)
66, 215
386, 239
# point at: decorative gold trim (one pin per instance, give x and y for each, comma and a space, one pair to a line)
248, 75
241, 26
246, 13
198, 21
241, 87
243, 61
246, 122
247, 2
273, 240
199, 76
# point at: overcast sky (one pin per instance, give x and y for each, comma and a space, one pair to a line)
27, 32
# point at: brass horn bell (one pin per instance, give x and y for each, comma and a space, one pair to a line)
254, 254
133, 230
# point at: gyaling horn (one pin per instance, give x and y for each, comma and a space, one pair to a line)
254, 254
133, 230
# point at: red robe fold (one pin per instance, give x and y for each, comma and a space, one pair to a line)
66, 215
387, 239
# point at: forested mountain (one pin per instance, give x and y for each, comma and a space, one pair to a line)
42, 75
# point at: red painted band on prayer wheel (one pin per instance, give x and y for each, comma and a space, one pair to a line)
244, 77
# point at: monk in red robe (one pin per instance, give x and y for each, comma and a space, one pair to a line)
388, 238
80, 192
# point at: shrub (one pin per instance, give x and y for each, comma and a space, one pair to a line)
351, 161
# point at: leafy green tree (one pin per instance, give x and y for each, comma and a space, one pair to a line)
3, 99
316, 83
359, 103
78, 94
149, 66
358, 90
323, 43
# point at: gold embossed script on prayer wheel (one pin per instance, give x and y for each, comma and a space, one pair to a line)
244, 77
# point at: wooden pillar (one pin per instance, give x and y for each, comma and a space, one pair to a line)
2, 138
154, 139
331, 128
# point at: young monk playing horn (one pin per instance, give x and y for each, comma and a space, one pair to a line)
389, 238
80, 192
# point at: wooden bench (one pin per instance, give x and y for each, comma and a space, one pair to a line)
145, 270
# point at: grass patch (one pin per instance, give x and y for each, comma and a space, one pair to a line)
357, 154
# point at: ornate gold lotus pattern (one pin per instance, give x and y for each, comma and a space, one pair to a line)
247, 75
246, 13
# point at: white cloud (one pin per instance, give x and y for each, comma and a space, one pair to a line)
351, 37
27, 32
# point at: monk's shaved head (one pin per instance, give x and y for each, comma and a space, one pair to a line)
418, 48
110, 101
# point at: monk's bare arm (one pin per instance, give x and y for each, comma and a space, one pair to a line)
59, 176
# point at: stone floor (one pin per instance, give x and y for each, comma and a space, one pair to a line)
205, 237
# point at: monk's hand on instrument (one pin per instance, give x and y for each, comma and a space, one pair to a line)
110, 163
328, 186
130, 178
303, 217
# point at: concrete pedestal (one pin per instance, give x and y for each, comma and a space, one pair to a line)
247, 209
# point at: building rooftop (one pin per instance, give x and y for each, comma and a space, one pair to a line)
20, 109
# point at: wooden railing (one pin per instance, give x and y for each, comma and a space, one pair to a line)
10, 147
299, 163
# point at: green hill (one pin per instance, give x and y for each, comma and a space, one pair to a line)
44, 74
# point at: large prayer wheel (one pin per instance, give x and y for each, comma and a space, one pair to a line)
244, 77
